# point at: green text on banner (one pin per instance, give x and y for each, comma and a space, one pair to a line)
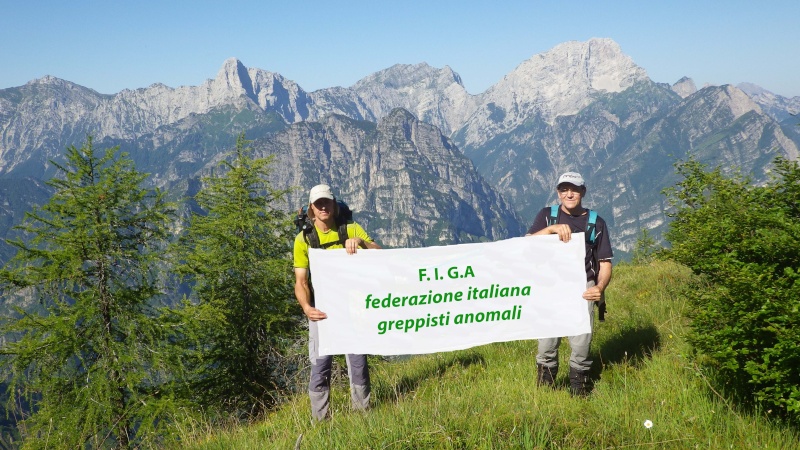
433, 299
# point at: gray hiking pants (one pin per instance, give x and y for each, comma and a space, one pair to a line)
547, 355
319, 387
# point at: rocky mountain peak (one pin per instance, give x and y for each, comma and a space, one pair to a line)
268, 90
562, 77
435, 96
739, 102
559, 82
401, 76
447, 71
753, 89
684, 87
778, 107
56, 83
233, 76
47, 79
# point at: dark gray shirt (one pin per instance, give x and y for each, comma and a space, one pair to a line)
601, 250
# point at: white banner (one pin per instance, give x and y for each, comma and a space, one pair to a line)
433, 299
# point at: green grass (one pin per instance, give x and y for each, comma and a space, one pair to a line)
486, 397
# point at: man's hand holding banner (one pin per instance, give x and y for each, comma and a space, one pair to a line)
426, 300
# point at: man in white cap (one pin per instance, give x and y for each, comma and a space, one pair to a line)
564, 219
330, 231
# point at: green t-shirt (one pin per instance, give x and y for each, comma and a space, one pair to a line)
332, 235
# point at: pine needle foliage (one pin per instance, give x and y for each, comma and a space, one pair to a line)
91, 357
745, 241
236, 254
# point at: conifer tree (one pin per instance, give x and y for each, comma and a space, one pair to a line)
90, 357
237, 256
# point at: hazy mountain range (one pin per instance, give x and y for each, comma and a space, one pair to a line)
419, 159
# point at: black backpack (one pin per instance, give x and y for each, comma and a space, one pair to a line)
303, 223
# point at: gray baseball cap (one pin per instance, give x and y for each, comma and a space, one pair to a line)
572, 178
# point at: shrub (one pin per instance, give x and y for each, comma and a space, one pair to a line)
745, 242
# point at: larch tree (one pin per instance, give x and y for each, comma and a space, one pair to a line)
236, 254
90, 357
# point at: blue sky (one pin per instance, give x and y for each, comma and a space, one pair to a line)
113, 45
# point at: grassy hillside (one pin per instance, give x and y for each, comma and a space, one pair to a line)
486, 397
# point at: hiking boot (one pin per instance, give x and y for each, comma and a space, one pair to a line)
580, 385
546, 376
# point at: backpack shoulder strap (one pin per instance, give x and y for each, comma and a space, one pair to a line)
553, 217
311, 236
341, 230
591, 234
343, 233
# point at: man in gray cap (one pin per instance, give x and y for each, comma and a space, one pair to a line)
329, 231
564, 219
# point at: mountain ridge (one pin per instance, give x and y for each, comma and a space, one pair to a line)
579, 106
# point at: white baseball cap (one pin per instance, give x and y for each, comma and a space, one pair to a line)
571, 178
320, 191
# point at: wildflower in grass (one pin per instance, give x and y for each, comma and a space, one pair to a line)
648, 424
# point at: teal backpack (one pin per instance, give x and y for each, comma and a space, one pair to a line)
590, 234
